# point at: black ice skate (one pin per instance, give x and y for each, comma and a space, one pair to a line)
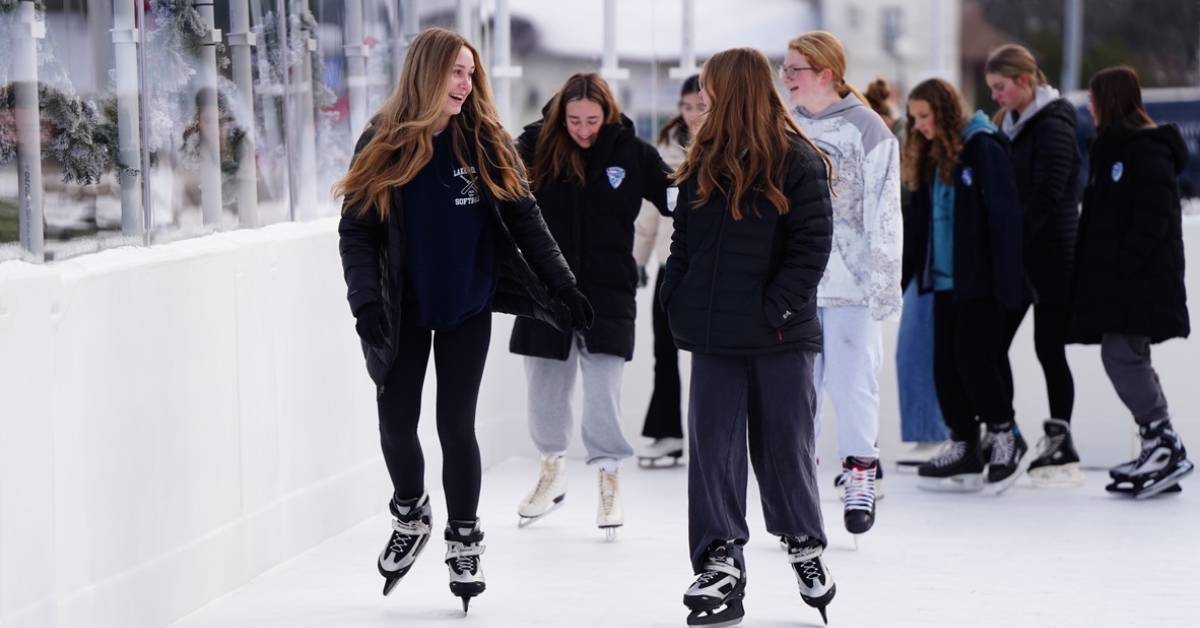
859, 507
665, 450
1008, 459
1158, 469
812, 575
957, 467
1057, 462
411, 526
464, 546
715, 598
839, 482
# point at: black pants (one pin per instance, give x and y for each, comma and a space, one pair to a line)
763, 404
664, 418
1050, 342
969, 363
459, 356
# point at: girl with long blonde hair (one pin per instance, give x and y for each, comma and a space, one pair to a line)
751, 240
438, 231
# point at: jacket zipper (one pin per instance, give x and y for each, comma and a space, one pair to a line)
713, 284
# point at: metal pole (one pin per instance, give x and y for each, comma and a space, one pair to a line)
937, 36
27, 29
210, 129
608, 67
241, 42
305, 125
467, 20
144, 127
503, 72
125, 37
356, 65
1072, 43
410, 21
687, 51
285, 70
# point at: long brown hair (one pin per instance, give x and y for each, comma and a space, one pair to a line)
1013, 61
742, 147
824, 51
556, 155
403, 130
1117, 98
923, 157
878, 94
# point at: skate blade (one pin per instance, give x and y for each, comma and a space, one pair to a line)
389, 584
854, 537
728, 614
610, 532
524, 520
1062, 476
1165, 483
673, 460
820, 603
998, 488
966, 483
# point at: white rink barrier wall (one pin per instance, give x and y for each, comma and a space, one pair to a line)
175, 420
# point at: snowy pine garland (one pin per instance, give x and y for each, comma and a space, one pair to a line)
71, 134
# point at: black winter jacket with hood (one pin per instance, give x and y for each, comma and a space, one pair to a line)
594, 227
1045, 161
749, 286
1129, 278
529, 267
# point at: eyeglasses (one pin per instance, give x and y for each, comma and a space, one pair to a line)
791, 71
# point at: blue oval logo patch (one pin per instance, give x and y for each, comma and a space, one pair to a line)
1118, 169
968, 177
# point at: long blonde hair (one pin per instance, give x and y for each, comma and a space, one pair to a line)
824, 51
743, 145
556, 155
1013, 61
402, 143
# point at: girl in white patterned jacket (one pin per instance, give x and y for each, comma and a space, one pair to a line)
861, 285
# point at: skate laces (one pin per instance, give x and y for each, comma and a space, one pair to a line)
951, 452
1047, 444
545, 479
463, 556
1004, 447
406, 533
860, 489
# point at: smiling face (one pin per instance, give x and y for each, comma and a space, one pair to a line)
804, 84
922, 115
584, 119
1011, 94
459, 87
692, 107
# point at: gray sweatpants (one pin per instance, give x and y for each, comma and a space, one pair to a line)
761, 404
1127, 361
551, 384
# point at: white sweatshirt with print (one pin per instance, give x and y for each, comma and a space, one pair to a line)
868, 233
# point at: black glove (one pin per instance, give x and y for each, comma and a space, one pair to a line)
643, 277
582, 314
372, 325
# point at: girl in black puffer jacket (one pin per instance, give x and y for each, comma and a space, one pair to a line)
1041, 125
1128, 288
753, 231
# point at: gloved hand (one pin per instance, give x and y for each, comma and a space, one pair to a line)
643, 277
372, 325
582, 314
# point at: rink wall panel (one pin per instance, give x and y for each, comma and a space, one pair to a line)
175, 420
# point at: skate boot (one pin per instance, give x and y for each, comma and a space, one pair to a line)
1057, 463
1161, 465
668, 450
956, 468
715, 598
839, 482
464, 546
549, 493
859, 507
411, 526
610, 515
816, 582
919, 455
1008, 458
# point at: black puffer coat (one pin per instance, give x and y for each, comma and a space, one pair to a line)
749, 286
1129, 276
529, 267
594, 227
1045, 161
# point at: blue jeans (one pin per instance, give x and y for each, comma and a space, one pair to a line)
920, 415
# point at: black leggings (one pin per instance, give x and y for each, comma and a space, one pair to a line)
664, 419
969, 363
1050, 322
459, 356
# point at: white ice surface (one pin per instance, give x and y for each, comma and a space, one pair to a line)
1032, 557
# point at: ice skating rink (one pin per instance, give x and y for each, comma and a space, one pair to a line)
1031, 557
